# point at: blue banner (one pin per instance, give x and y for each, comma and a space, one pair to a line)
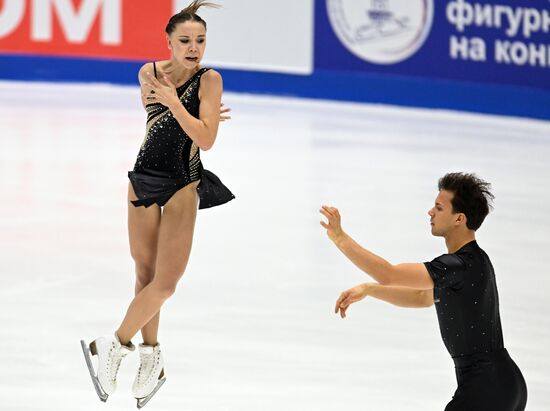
495, 42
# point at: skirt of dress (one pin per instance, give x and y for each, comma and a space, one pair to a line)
157, 187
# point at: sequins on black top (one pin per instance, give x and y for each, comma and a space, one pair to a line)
466, 300
169, 160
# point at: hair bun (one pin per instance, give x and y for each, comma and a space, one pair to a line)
189, 14
197, 4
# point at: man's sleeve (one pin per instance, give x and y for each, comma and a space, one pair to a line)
447, 271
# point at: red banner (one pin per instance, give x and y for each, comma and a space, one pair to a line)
120, 29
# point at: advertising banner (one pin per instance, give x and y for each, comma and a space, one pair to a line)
241, 34
489, 56
495, 41
112, 29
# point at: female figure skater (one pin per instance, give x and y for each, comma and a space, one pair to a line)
183, 102
462, 285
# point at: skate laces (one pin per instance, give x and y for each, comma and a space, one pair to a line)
147, 365
116, 355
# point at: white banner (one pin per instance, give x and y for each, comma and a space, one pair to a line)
260, 35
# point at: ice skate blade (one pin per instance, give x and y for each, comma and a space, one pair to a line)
142, 401
87, 355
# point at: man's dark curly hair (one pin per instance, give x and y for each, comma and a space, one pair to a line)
471, 196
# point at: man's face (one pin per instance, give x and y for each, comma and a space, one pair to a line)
442, 218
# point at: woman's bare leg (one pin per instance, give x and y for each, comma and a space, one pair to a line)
174, 247
143, 232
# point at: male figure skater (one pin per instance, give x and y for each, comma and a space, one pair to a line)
462, 286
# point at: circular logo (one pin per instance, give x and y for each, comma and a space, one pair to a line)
381, 31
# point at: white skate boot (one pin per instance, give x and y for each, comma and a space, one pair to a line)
109, 353
150, 376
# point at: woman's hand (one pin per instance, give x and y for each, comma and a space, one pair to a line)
164, 94
350, 296
333, 226
223, 113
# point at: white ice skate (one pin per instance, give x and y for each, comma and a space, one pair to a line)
109, 352
150, 376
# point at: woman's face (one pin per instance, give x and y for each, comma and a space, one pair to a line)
187, 43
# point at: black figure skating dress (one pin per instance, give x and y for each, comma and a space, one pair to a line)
169, 160
466, 300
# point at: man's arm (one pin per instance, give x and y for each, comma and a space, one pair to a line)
413, 275
402, 296
399, 296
